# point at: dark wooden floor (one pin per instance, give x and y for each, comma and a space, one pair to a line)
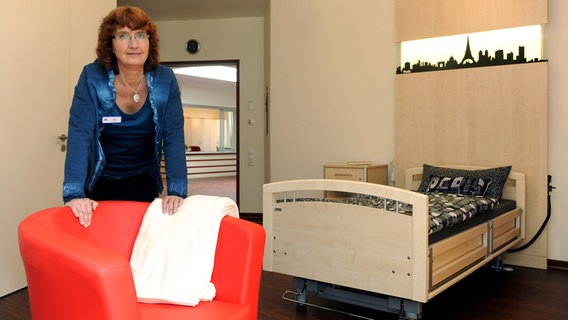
522, 294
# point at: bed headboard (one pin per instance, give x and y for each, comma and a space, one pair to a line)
480, 117
514, 188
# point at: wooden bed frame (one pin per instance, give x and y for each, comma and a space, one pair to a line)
375, 250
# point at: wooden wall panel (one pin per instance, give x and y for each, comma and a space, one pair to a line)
490, 116
419, 19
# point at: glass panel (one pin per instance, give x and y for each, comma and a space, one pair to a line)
228, 135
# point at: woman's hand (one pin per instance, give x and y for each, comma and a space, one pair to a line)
83, 209
171, 204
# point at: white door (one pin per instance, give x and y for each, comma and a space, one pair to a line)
42, 44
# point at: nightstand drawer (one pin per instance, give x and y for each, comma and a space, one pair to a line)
353, 174
365, 173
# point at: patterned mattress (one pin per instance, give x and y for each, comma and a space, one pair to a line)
446, 210
449, 209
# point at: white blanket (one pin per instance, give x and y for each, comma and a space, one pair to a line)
173, 255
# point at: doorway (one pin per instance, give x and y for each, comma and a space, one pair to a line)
210, 99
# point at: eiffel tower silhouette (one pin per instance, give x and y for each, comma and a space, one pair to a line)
468, 57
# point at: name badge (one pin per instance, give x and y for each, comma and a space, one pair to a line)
112, 119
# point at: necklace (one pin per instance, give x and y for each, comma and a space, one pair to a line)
136, 96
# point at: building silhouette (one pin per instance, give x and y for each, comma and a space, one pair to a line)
467, 57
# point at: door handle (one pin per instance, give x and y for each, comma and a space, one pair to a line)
63, 138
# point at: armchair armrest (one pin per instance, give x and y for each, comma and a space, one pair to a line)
238, 261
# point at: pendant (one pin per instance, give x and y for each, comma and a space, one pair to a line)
136, 97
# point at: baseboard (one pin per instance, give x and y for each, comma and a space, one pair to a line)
525, 260
557, 264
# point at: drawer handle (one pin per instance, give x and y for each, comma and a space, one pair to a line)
343, 175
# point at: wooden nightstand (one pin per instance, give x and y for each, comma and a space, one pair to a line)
364, 173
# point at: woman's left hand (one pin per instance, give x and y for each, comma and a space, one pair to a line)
171, 204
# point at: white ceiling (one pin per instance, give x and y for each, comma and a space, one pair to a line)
162, 10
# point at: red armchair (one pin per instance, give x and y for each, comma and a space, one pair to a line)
84, 273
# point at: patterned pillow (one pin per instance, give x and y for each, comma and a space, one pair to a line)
458, 185
495, 178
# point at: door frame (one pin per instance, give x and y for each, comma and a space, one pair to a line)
232, 62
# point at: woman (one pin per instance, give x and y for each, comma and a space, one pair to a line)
126, 108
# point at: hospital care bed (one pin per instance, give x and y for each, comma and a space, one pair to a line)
382, 247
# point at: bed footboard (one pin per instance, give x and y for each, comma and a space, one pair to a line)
374, 249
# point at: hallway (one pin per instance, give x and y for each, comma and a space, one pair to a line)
217, 186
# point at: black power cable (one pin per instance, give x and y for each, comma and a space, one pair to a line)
537, 234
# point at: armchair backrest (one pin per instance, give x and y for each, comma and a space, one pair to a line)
114, 226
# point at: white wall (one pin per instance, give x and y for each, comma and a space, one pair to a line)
332, 74
229, 39
46, 43
195, 96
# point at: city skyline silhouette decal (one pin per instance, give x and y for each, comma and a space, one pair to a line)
484, 58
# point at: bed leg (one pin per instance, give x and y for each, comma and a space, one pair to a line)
410, 310
301, 292
498, 266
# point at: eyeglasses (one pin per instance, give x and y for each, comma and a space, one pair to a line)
126, 37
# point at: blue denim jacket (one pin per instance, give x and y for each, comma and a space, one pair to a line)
94, 98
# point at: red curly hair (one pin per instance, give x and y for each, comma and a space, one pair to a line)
135, 19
